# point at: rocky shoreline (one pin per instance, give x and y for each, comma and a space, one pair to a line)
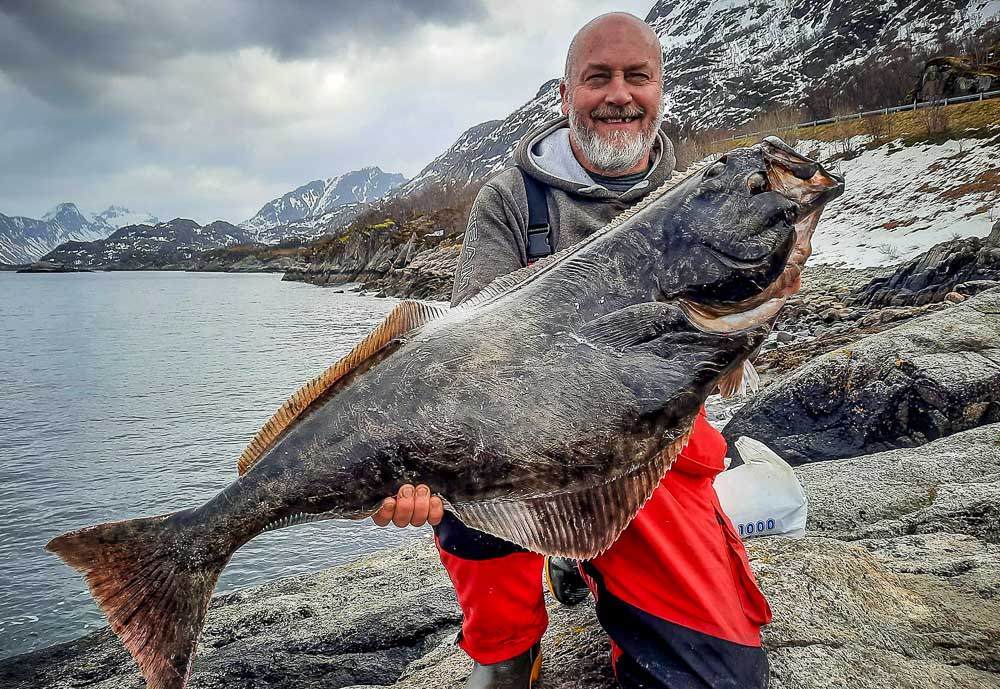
405, 271
896, 586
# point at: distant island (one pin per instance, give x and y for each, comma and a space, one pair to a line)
48, 267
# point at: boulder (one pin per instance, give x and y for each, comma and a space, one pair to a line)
886, 494
925, 379
949, 76
931, 276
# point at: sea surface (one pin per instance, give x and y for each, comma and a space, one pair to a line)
132, 394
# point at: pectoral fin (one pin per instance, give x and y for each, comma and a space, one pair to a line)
631, 326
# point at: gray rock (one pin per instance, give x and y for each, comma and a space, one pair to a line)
851, 495
932, 376
973, 287
834, 314
842, 619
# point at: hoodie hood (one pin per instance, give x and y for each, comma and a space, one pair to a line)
545, 154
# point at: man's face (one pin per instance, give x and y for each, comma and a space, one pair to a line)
614, 96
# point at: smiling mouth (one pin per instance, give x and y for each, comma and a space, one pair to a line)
617, 120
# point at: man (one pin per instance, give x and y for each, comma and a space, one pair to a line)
675, 592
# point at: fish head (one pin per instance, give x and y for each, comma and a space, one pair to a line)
740, 233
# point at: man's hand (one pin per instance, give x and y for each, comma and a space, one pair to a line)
413, 506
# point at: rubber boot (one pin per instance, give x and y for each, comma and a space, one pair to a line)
564, 580
520, 672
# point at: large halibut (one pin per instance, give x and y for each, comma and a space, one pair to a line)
545, 410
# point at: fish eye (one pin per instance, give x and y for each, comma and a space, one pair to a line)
757, 183
717, 169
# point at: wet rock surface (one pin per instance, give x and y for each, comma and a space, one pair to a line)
897, 585
925, 379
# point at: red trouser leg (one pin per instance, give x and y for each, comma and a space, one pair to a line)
499, 588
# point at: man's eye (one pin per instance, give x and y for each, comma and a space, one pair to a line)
597, 77
638, 77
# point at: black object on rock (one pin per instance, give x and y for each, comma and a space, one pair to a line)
932, 275
566, 584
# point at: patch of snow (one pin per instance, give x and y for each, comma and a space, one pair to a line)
901, 200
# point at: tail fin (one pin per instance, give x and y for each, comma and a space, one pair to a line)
152, 590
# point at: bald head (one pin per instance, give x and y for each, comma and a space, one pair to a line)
612, 94
614, 24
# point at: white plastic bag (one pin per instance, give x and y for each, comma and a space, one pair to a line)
763, 497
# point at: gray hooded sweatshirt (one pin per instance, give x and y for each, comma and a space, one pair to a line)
496, 239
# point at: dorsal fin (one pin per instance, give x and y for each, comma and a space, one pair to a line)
404, 318
506, 283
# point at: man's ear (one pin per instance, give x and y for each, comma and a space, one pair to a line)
562, 96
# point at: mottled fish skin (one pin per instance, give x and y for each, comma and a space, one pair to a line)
568, 387
511, 398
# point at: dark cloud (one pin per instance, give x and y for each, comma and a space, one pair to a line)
60, 50
209, 109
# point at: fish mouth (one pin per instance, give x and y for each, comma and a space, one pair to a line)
810, 186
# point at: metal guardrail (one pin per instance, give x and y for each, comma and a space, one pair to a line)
986, 95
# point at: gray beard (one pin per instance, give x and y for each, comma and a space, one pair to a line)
620, 151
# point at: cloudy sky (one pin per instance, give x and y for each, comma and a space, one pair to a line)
208, 110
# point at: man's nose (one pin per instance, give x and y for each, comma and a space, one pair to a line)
617, 92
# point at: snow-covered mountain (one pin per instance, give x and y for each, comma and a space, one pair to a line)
728, 60
316, 201
312, 226
148, 246
119, 216
23, 240
486, 147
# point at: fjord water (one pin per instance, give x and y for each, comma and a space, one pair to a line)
132, 394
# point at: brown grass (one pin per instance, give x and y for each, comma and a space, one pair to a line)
978, 211
893, 224
987, 181
976, 118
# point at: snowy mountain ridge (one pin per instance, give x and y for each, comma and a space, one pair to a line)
119, 217
318, 202
728, 60
23, 239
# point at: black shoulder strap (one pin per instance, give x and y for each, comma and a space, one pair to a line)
539, 233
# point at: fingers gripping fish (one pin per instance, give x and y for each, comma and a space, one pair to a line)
627, 332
